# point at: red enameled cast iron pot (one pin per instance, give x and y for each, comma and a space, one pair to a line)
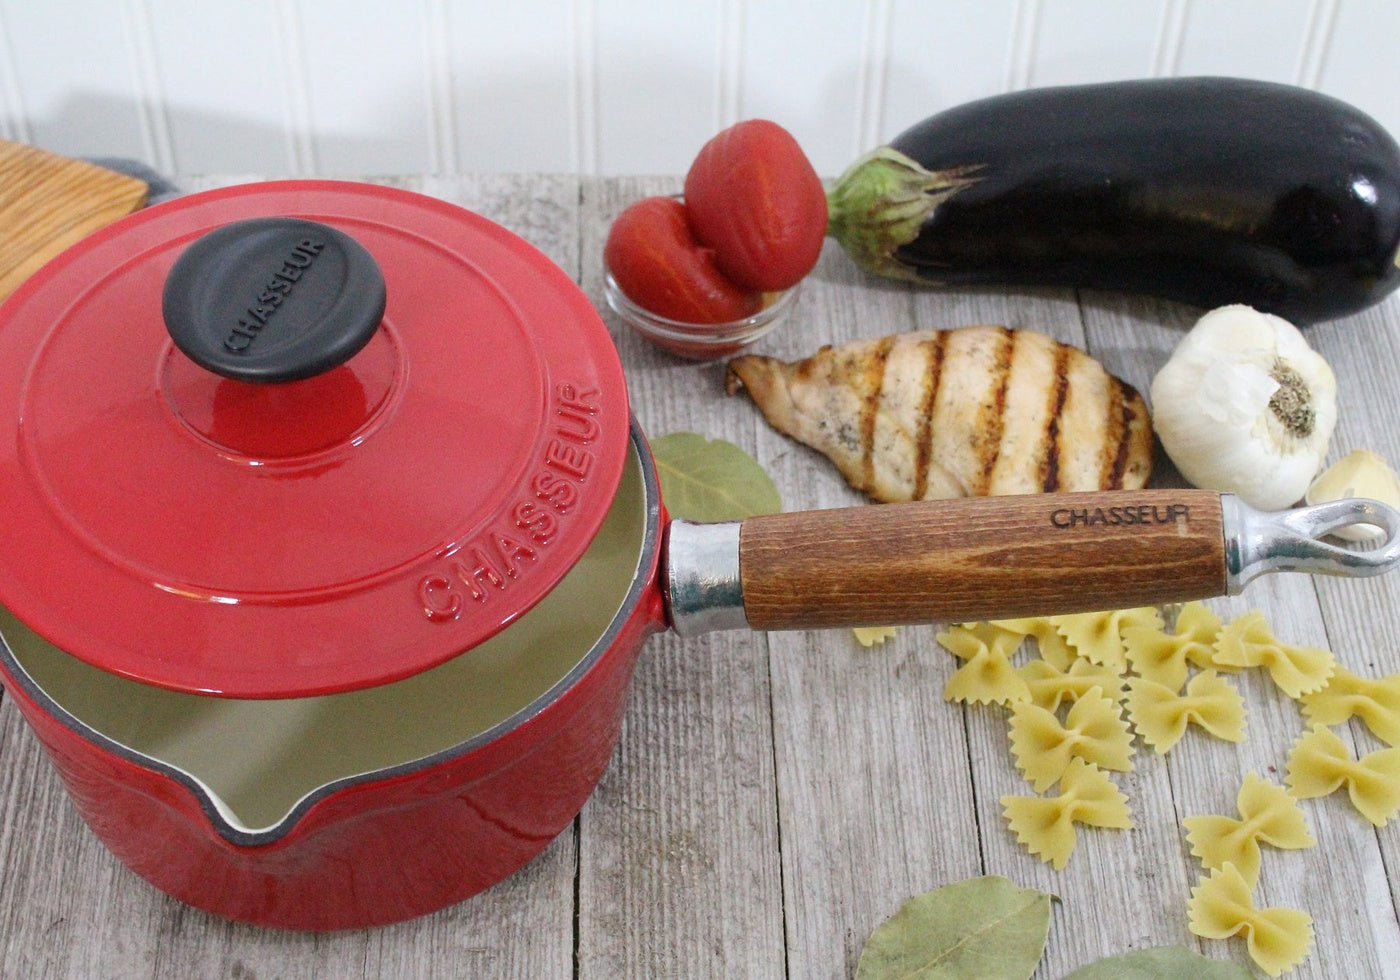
330, 545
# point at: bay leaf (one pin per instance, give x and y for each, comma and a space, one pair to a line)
1161, 963
711, 479
983, 927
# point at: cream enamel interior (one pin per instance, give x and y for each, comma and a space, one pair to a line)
258, 758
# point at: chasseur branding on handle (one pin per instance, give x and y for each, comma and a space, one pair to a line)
277, 288
1119, 516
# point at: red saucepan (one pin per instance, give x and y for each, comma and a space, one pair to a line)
329, 547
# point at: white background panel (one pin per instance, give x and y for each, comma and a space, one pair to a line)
1093, 41
512, 86
223, 112
366, 82
944, 54
610, 86
1361, 63
1252, 38
657, 84
74, 78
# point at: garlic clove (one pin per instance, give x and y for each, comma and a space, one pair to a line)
1360, 473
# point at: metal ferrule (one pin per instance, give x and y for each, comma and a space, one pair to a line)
701, 580
1259, 541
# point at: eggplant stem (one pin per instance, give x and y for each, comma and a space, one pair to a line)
882, 201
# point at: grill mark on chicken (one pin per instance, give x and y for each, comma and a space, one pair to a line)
1123, 396
873, 386
933, 349
991, 420
1059, 393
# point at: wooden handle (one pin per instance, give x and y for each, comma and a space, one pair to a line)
981, 558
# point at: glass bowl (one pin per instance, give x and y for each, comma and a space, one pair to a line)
699, 341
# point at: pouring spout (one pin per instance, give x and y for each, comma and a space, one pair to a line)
1258, 541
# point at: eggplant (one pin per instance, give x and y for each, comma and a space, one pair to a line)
1200, 190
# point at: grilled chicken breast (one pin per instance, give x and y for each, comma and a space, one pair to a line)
955, 413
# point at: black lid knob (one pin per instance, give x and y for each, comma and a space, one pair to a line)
273, 299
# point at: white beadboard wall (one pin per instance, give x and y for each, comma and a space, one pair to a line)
340, 87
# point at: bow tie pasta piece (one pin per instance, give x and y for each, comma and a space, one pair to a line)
1249, 642
1163, 657
1099, 636
1197, 627
1376, 702
1054, 648
1267, 814
1319, 763
1161, 715
1046, 825
1221, 906
1156, 656
1093, 731
987, 677
869, 636
1051, 686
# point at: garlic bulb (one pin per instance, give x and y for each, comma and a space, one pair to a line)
1244, 405
1359, 473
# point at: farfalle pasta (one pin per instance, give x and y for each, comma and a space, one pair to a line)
1375, 701
1222, 906
1319, 764
1164, 657
1267, 814
1161, 715
987, 677
1047, 825
1296, 670
1197, 626
1099, 635
1054, 648
1051, 686
870, 636
1094, 730
1067, 730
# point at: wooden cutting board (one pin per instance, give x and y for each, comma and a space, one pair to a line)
48, 202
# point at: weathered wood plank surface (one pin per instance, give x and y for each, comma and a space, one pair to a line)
775, 797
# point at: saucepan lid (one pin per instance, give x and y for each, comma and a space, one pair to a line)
300, 437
